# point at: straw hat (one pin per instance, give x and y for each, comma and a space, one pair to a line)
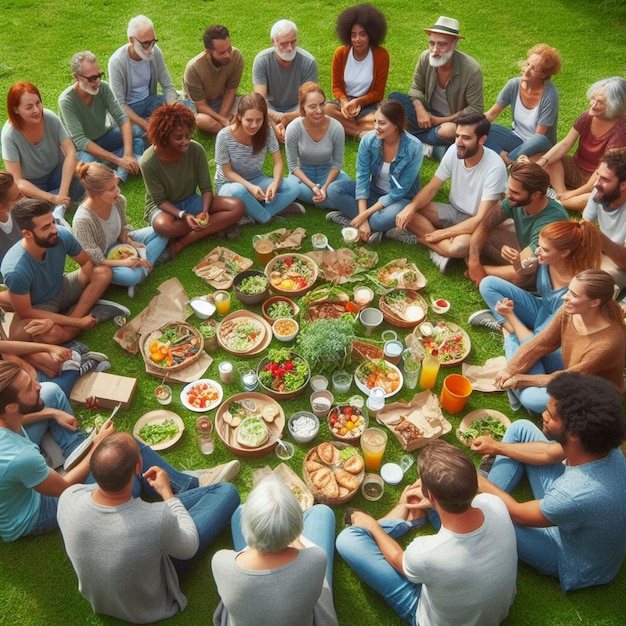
446, 26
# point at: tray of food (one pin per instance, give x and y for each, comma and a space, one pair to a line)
403, 308
243, 420
244, 333
333, 471
378, 373
122, 251
159, 429
399, 273
416, 423
173, 347
220, 266
291, 479
482, 422
452, 343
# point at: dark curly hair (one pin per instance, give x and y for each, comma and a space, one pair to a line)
166, 119
591, 409
616, 162
365, 15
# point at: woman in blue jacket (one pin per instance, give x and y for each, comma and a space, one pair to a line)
388, 166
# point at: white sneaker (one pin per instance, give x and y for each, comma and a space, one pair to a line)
440, 262
399, 234
484, 319
428, 150
219, 474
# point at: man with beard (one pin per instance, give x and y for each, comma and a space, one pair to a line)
51, 306
29, 489
446, 84
507, 249
477, 181
279, 72
136, 70
575, 528
212, 78
607, 208
83, 108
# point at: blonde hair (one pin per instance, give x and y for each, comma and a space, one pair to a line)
94, 176
599, 285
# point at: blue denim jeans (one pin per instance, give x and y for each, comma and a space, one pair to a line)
52, 181
359, 549
318, 174
319, 528
146, 107
504, 139
535, 546
262, 212
341, 195
155, 244
112, 141
66, 380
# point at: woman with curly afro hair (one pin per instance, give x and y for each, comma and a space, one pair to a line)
360, 68
173, 169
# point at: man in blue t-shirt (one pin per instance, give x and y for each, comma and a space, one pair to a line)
575, 529
51, 306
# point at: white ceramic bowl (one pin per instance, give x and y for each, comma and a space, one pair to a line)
285, 321
202, 307
350, 234
301, 436
439, 305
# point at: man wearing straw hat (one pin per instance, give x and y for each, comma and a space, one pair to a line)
446, 83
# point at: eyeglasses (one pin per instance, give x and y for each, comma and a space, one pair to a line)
147, 44
94, 78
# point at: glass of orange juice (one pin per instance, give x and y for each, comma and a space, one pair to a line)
373, 444
222, 301
430, 369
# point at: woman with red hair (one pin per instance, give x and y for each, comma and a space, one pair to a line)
37, 150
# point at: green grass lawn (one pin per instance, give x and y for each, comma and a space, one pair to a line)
37, 583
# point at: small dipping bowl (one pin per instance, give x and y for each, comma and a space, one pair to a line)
371, 318
350, 234
163, 394
319, 241
284, 452
342, 381
440, 306
321, 401
363, 296
303, 426
202, 307
285, 329
319, 382
391, 473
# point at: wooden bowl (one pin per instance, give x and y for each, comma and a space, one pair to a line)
281, 395
278, 264
273, 300
156, 334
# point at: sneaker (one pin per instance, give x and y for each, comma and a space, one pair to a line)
107, 310
375, 239
164, 257
399, 234
96, 356
77, 346
219, 474
486, 464
231, 233
91, 365
440, 262
132, 291
484, 319
428, 150
295, 208
72, 364
551, 193
245, 220
337, 217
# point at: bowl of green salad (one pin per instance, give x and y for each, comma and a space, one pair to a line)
251, 287
278, 307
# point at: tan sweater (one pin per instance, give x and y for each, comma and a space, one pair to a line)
600, 353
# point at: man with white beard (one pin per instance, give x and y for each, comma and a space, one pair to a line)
83, 108
278, 73
135, 71
446, 83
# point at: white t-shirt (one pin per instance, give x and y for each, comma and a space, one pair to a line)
612, 223
358, 74
466, 579
469, 187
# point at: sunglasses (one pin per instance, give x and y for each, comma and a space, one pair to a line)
147, 44
94, 78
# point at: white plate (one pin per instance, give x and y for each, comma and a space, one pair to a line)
126, 247
157, 417
79, 452
364, 388
208, 407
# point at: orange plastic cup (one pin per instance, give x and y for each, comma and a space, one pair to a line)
455, 392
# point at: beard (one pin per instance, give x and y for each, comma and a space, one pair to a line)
466, 153
51, 241
144, 55
25, 409
92, 91
286, 56
606, 197
441, 60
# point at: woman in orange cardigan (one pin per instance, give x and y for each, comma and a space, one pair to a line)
360, 68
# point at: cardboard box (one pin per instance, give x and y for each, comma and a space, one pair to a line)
108, 389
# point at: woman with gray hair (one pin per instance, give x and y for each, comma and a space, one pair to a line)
280, 571
598, 130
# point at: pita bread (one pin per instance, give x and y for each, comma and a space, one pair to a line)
327, 452
354, 464
346, 479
